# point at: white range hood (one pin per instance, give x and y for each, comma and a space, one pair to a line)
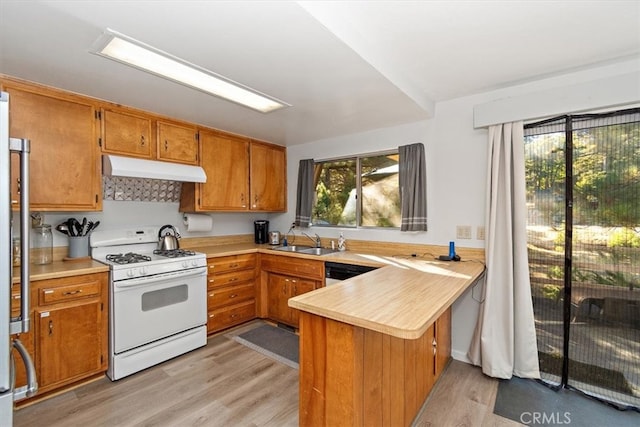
151, 169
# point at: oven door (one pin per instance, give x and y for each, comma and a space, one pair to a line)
151, 308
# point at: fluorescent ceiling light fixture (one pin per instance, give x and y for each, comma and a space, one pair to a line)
134, 53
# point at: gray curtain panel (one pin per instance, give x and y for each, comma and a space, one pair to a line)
306, 192
413, 187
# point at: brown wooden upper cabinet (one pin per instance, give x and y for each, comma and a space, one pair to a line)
225, 159
177, 143
268, 177
65, 156
242, 175
127, 134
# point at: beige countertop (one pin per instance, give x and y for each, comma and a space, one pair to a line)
61, 269
348, 257
401, 299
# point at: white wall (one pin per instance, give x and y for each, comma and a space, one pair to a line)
125, 214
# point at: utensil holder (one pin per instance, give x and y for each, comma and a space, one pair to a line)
78, 246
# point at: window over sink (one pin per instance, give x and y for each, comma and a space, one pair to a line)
358, 191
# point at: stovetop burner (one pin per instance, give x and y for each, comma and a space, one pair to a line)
128, 258
174, 253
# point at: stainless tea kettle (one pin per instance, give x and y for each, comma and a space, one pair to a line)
169, 241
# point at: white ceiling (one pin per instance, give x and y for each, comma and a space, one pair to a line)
344, 67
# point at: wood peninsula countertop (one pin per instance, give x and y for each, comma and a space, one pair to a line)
401, 299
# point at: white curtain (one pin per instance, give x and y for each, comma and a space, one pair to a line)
504, 343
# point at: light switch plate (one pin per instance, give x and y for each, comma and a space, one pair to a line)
463, 232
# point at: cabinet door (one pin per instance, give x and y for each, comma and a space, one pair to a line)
70, 342
225, 160
299, 287
443, 342
268, 178
279, 291
65, 158
126, 134
177, 143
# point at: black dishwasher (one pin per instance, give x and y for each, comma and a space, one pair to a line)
336, 271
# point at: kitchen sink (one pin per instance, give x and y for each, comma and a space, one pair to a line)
318, 251
305, 250
292, 248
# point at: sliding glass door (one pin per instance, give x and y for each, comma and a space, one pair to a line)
583, 194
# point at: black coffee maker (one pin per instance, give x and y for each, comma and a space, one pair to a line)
261, 231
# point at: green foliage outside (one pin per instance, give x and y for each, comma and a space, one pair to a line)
379, 197
624, 237
606, 175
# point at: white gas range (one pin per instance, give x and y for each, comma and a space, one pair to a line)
158, 299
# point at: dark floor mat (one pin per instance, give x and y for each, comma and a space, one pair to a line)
531, 403
274, 342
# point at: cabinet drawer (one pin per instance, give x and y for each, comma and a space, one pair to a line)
225, 296
68, 292
231, 315
300, 267
232, 263
217, 280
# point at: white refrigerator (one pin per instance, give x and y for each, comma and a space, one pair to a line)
13, 324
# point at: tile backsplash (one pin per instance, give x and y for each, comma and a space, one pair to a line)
140, 189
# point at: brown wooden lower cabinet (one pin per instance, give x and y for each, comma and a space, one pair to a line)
280, 289
358, 377
284, 277
68, 340
66, 347
231, 291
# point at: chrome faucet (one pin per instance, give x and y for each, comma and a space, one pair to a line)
317, 240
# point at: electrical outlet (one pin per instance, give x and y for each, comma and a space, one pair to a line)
480, 232
463, 232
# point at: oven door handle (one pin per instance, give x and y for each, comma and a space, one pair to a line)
145, 280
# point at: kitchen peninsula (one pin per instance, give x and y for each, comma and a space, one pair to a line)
372, 347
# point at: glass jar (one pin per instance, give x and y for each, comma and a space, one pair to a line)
16, 250
42, 244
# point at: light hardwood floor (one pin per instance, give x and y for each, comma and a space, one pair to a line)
228, 384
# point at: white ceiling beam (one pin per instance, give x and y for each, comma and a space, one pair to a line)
339, 23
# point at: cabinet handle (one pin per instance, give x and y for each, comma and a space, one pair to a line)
233, 295
19, 185
50, 327
233, 265
212, 294
77, 291
212, 315
142, 142
233, 279
166, 145
233, 316
434, 343
255, 201
244, 205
